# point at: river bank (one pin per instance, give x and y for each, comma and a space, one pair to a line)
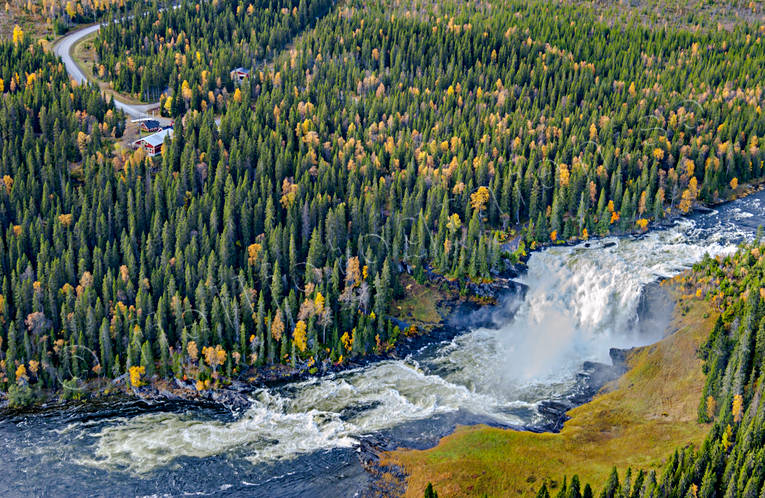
448, 304
453, 308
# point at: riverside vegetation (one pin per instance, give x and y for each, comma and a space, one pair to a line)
433, 138
685, 420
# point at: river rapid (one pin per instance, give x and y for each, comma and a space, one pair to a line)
302, 439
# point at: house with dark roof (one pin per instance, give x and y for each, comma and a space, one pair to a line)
150, 125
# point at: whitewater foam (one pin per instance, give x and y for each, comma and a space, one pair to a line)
309, 416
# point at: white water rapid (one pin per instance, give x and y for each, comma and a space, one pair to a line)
581, 301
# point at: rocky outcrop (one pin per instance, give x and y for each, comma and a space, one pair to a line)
487, 292
619, 358
593, 377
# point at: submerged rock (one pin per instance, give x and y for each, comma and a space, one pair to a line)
231, 399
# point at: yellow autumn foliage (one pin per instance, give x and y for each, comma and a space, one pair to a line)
214, 356
347, 341
299, 336
192, 350
252, 253
277, 326
479, 198
319, 302
454, 223
738, 408
21, 373
65, 219
18, 34
135, 375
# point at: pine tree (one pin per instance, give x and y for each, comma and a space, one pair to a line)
147, 359
105, 345
543, 493
611, 489
164, 354
430, 492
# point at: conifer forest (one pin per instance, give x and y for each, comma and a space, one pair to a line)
382, 220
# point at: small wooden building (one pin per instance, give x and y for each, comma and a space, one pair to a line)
153, 143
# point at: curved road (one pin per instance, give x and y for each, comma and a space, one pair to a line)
63, 48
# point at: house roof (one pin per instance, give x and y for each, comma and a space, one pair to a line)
158, 138
155, 139
242, 70
150, 123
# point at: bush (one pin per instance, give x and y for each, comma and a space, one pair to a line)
20, 396
71, 389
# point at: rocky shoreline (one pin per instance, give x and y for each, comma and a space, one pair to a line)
464, 313
478, 306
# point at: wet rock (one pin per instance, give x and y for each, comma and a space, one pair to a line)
240, 387
386, 480
619, 358
596, 375
493, 291
554, 411
511, 270
119, 380
369, 449
230, 399
511, 246
589, 381
181, 384
501, 282
168, 395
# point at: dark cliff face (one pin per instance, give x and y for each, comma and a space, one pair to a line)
655, 310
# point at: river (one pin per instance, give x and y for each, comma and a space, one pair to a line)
301, 439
